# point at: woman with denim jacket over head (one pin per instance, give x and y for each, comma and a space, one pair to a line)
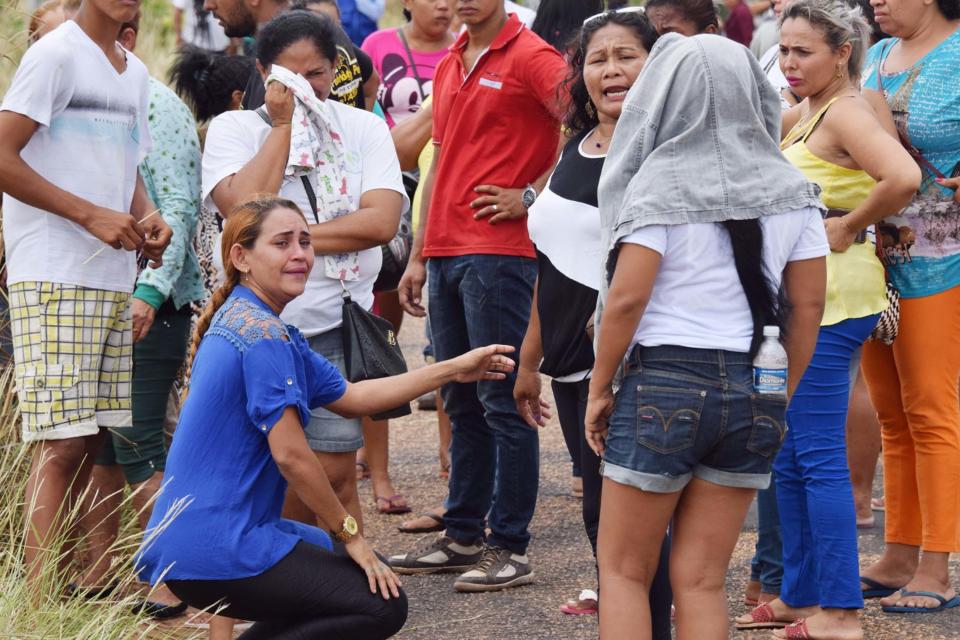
702, 221
845, 144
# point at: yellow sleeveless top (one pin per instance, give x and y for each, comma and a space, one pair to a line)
855, 278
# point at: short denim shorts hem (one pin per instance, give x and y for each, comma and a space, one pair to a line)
335, 446
327, 432
651, 482
756, 481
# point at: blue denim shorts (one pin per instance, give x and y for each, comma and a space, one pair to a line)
327, 432
685, 412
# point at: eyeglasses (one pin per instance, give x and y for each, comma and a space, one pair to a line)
637, 9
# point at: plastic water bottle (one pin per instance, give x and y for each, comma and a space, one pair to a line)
770, 365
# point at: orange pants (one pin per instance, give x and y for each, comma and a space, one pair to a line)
913, 385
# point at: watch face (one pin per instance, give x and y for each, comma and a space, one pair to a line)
350, 525
528, 197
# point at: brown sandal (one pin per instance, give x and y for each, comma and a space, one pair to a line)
393, 505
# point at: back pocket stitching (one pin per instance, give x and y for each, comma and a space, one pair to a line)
684, 414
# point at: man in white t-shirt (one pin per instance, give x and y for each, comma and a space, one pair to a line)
73, 130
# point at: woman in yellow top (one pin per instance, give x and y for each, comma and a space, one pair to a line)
842, 142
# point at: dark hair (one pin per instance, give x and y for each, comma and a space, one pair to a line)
949, 8
293, 26
767, 307
306, 4
702, 13
579, 118
558, 21
206, 80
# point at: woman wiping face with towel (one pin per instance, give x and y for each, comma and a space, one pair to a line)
703, 220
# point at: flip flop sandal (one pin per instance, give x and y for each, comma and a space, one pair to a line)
866, 523
876, 589
393, 505
796, 631
878, 504
445, 471
584, 605
92, 593
436, 526
763, 617
944, 603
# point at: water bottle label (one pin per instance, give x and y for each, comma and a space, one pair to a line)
772, 381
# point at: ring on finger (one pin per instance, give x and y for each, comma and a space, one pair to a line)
496, 208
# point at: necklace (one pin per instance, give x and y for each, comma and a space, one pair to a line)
599, 144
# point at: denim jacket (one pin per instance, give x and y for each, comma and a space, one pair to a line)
697, 141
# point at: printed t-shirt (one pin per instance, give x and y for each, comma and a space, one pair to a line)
207, 35
235, 137
218, 515
497, 124
564, 226
697, 299
925, 101
400, 94
92, 136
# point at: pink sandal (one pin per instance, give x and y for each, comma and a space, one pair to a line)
584, 605
762, 617
796, 631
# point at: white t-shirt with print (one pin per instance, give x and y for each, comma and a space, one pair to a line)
91, 137
212, 39
697, 299
235, 137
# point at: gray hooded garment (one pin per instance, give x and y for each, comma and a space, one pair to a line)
698, 141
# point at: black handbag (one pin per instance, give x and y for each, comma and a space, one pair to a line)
371, 350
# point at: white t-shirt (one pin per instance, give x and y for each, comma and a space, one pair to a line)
212, 38
771, 66
234, 137
697, 299
92, 136
527, 16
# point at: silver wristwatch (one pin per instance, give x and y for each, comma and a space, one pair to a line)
529, 196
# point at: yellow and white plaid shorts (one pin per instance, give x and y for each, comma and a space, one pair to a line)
73, 359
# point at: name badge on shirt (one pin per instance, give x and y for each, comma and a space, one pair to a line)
493, 84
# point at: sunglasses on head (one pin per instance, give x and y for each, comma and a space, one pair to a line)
621, 10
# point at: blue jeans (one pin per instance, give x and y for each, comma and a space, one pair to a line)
475, 301
767, 564
819, 524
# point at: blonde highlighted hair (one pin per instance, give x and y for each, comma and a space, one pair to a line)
840, 22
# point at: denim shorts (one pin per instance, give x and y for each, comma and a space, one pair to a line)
685, 412
327, 432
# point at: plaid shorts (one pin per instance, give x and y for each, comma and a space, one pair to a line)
73, 358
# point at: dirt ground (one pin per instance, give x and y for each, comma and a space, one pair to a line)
559, 551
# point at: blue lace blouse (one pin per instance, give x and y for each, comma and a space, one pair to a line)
218, 516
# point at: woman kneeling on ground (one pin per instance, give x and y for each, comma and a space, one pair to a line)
216, 536
702, 218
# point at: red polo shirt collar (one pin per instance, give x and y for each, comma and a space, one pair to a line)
510, 30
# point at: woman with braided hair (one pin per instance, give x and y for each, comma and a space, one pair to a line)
216, 536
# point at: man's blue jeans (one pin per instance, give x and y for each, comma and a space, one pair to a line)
475, 301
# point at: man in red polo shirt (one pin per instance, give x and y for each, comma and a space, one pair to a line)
496, 121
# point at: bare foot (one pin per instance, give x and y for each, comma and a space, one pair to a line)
782, 612
888, 572
831, 624
162, 595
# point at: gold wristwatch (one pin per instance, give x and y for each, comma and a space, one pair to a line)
348, 529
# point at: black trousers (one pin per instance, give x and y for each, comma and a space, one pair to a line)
311, 594
571, 401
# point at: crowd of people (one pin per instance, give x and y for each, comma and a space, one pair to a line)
625, 199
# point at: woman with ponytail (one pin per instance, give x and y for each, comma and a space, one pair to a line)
702, 221
838, 140
216, 536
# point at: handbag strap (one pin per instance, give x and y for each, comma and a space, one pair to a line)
413, 64
311, 194
915, 153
